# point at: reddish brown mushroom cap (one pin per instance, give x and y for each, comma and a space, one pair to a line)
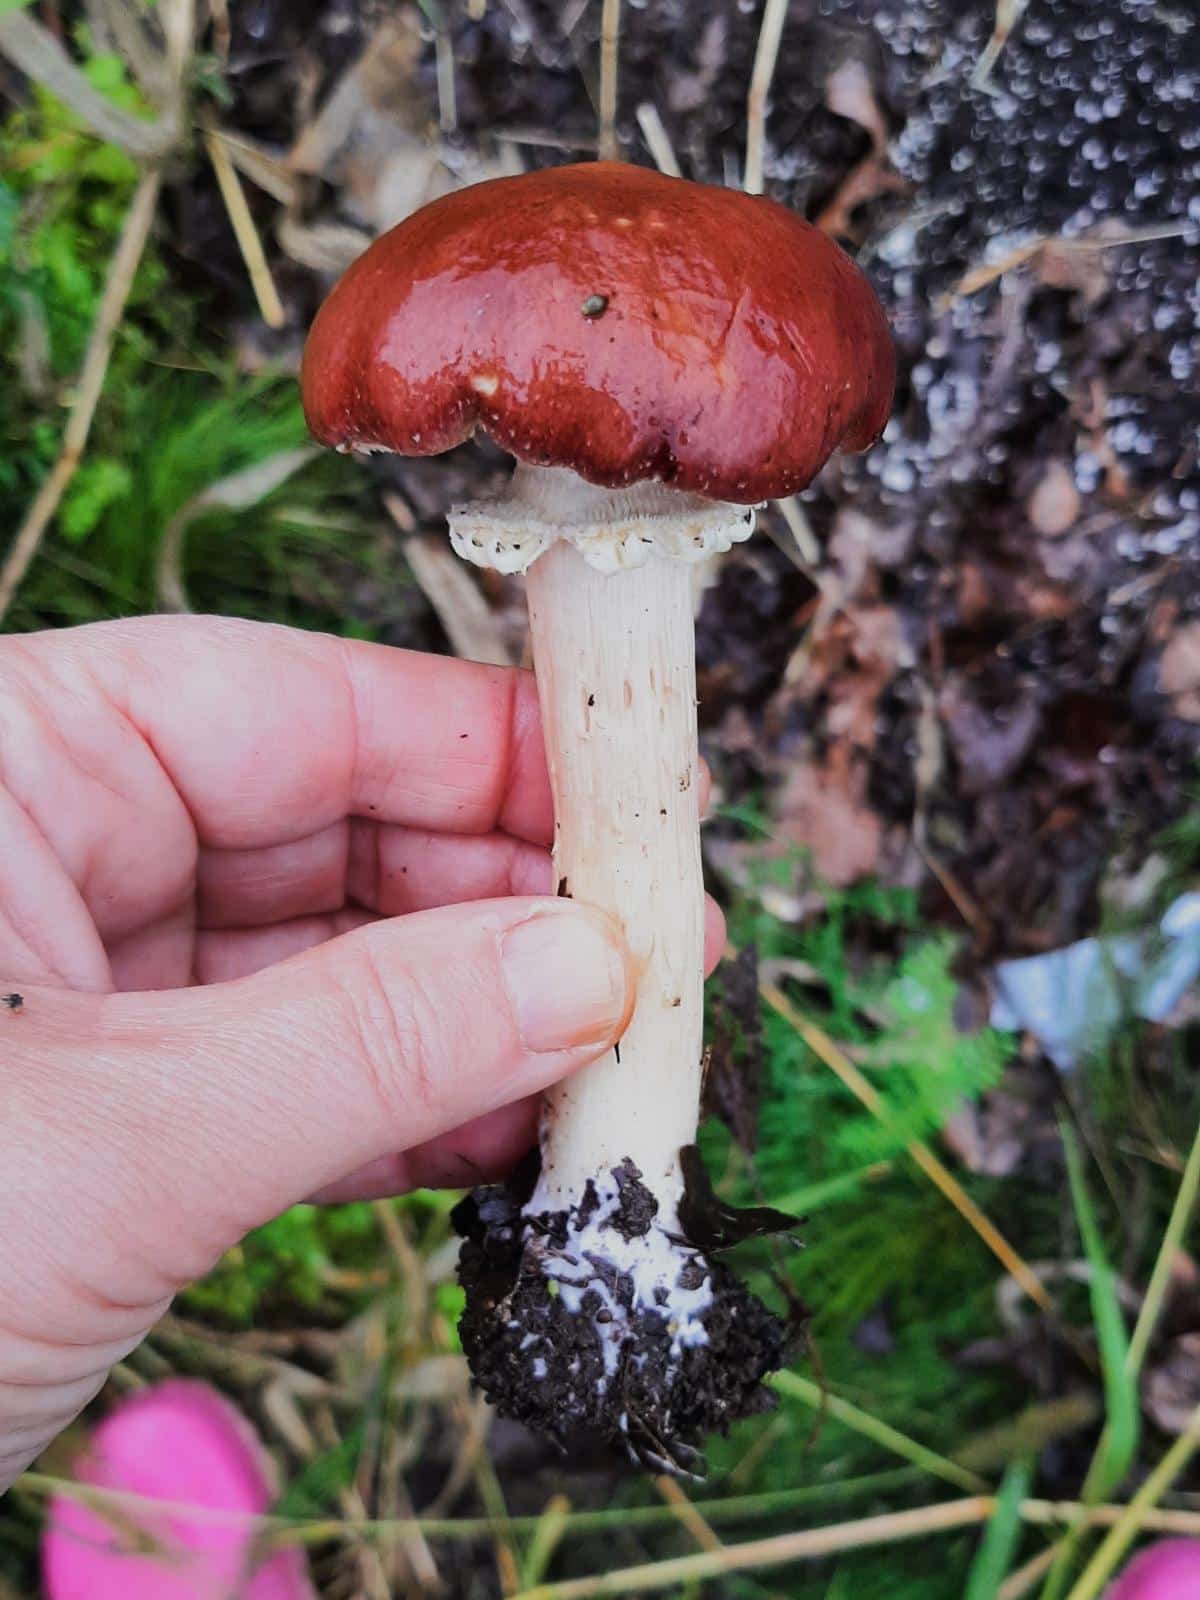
611, 320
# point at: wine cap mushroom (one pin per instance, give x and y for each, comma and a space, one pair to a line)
607, 319
659, 357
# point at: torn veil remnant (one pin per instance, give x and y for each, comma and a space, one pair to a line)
732, 349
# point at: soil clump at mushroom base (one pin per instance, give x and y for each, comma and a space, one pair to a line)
621, 1373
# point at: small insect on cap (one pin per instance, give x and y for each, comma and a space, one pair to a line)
610, 320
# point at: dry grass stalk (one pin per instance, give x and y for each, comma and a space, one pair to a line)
772, 1552
546, 1538
474, 631
765, 57
801, 530
476, 1416
121, 273
1008, 14
610, 38
126, 22
688, 1513
954, 891
288, 1531
367, 1555
410, 1266
242, 222
658, 140
35, 50
446, 92
1026, 1578
979, 277
255, 161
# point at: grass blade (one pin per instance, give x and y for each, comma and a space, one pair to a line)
814, 1196
1118, 1442
1160, 1278
999, 1543
547, 1537
1119, 1439
810, 1394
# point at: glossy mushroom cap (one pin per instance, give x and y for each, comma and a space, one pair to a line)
610, 320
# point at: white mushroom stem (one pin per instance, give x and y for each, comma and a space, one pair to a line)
611, 614
615, 661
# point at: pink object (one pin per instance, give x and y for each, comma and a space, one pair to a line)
181, 1442
1168, 1570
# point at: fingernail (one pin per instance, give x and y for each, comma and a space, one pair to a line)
567, 978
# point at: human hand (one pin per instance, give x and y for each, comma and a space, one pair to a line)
279, 907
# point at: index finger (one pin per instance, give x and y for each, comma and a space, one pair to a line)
270, 733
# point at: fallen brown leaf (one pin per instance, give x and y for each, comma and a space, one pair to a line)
824, 810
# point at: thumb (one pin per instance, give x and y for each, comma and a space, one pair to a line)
247, 1096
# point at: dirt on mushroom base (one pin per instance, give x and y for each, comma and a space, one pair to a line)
570, 1326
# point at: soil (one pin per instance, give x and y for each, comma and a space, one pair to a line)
543, 1362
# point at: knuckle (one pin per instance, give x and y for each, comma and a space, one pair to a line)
393, 1029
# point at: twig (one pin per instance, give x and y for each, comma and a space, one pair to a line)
658, 140
242, 222
765, 56
610, 35
40, 56
819, 1042
121, 273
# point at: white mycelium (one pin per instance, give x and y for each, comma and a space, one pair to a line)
653, 1262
